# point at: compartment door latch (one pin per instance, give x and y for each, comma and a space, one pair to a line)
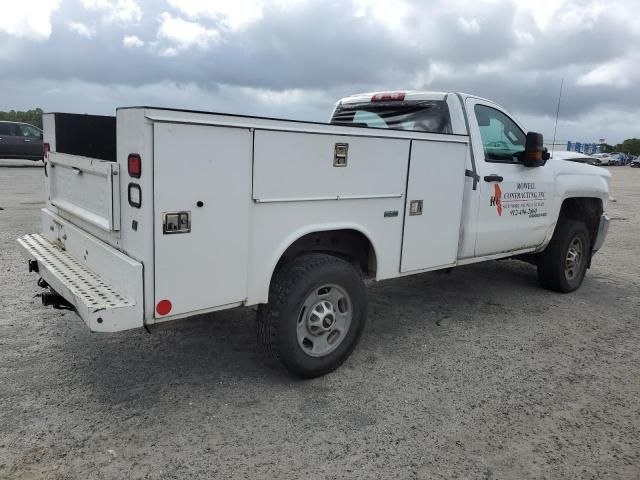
176, 222
340, 155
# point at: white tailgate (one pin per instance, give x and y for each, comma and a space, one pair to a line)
86, 188
436, 177
207, 266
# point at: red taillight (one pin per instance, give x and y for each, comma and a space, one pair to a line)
388, 97
45, 150
134, 165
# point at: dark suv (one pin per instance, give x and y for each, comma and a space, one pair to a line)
20, 140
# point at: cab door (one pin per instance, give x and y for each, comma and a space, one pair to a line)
30, 140
515, 200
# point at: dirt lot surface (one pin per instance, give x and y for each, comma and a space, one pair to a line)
477, 374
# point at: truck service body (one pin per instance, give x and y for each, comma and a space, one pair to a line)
159, 214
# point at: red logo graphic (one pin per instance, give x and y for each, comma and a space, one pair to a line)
497, 199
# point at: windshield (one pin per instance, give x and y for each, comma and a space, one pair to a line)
422, 116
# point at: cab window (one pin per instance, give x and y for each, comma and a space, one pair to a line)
501, 137
7, 129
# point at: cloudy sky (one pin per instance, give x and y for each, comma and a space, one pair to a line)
294, 58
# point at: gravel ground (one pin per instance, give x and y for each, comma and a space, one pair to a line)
476, 374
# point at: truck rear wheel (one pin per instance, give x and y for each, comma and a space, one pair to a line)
563, 264
316, 313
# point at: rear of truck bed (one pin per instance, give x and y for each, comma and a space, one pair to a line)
78, 253
160, 214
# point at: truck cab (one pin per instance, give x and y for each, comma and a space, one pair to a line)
509, 204
159, 214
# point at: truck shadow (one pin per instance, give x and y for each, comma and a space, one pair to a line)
210, 354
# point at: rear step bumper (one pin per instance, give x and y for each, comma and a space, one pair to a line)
103, 305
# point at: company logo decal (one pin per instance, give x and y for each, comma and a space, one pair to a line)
526, 201
496, 199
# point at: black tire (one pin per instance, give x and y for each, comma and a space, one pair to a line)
279, 320
553, 272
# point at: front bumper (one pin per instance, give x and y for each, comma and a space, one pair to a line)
603, 229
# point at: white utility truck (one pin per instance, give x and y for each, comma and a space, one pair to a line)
159, 214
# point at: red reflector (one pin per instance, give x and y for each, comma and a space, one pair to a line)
45, 150
163, 307
388, 97
134, 165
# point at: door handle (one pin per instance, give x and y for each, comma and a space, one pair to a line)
27, 140
493, 178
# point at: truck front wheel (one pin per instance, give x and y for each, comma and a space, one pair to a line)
563, 264
316, 313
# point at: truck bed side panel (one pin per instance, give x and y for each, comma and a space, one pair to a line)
297, 190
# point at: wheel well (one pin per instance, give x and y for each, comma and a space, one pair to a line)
586, 210
350, 245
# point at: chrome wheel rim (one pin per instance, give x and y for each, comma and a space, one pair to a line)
324, 320
573, 261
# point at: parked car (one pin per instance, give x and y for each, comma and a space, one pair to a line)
635, 162
20, 140
618, 159
574, 157
601, 159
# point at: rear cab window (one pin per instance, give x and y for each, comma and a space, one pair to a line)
420, 115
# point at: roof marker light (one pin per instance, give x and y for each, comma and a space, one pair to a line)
388, 97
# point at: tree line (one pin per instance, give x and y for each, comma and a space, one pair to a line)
630, 146
34, 117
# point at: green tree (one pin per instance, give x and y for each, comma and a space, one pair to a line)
606, 148
630, 145
34, 117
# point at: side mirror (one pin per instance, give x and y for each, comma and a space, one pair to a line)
535, 154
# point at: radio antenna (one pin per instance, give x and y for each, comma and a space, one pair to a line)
555, 128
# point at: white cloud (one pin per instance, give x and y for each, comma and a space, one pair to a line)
81, 29
28, 18
470, 26
390, 14
618, 73
132, 41
185, 34
232, 15
122, 11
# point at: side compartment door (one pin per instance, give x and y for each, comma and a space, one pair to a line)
434, 204
202, 194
